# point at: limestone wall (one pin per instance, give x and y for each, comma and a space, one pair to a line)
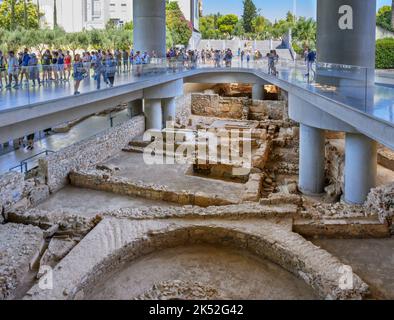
262, 109
56, 167
105, 181
335, 167
213, 105
16, 192
381, 201
11, 190
183, 109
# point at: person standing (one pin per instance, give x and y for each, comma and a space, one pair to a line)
67, 64
216, 58
125, 57
46, 66
99, 71
3, 74
34, 73
30, 141
12, 69
25, 65
60, 66
138, 63
311, 60
118, 58
78, 73
110, 69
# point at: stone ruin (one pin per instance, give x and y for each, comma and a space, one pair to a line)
220, 204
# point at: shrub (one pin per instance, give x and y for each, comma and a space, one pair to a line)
385, 53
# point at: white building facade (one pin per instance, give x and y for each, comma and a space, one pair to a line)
78, 15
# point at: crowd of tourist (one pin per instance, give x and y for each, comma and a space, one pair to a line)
53, 67
28, 68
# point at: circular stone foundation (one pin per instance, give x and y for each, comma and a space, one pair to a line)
201, 272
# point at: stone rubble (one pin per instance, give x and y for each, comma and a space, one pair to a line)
180, 290
20, 246
381, 202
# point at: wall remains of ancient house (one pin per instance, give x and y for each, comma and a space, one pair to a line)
213, 105
56, 167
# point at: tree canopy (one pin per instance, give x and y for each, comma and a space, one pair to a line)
227, 23
17, 13
179, 28
384, 18
249, 14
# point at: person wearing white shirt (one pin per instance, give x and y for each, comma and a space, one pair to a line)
13, 65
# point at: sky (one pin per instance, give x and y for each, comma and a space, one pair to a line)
269, 8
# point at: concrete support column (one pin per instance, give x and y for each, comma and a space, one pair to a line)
258, 92
312, 160
134, 108
351, 26
153, 114
149, 18
360, 167
169, 109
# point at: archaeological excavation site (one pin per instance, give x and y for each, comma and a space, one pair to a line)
224, 203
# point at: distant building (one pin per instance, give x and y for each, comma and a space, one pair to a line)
78, 15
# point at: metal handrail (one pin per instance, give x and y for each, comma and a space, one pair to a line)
23, 164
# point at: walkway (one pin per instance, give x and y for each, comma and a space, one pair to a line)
348, 86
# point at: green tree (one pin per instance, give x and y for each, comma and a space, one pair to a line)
384, 18
249, 14
305, 31
179, 28
25, 14
14, 40
83, 40
261, 27
208, 27
392, 15
38, 13
54, 14
96, 39
227, 23
129, 26
239, 30
12, 14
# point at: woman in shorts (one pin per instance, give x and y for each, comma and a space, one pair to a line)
67, 65
79, 73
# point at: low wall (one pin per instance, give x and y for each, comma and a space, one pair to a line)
12, 185
56, 167
104, 181
18, 193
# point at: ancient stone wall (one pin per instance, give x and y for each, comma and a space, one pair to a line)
213, 105
183, 109
105, 181
11, 190
56, 167
335, 168
262, 109
381, 202
16, 192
